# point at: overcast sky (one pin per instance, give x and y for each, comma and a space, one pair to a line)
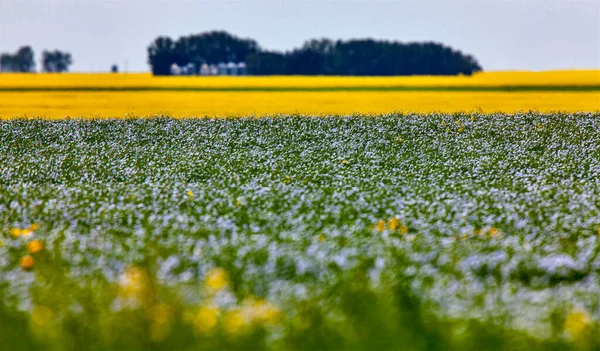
501, 34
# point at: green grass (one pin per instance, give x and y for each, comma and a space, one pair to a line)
497, 247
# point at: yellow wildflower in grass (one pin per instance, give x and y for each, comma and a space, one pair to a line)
576, 323
234, 323
206, 319
380, 226
403, 229
345, 162
17, 232
35, 246
190, 194
135, 287
261, 312
494, 232
27, 262
216, 279
394, 223
161, 318
321, 237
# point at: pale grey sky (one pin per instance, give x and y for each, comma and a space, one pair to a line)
502, 34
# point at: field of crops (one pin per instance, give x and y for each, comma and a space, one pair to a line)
116, 95
447, 231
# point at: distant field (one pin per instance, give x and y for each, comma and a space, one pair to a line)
413, 232
114, 95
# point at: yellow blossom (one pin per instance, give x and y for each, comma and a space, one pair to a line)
234, 323
403, 229
35, 246
216, 279
27, 262
494, 232
380, 226
576, 322
190, 194
15, 232
206, 319
135, 287
394, 223
345, 162
321, 237
260, 311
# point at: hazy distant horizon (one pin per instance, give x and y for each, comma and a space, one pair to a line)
503, 35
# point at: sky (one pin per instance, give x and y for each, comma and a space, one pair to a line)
501, 34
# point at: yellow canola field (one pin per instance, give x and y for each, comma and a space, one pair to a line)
58, 104
186, 104
488, 79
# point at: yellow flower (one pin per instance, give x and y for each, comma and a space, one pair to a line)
461, 129
216, 279
134, 286
394, 223
260, 311
15, 232
35, 246
321, 237
381, 226
234, 323
576, 322
345, 162
190, 194
206, 319
27, 262
403, 229
494, 232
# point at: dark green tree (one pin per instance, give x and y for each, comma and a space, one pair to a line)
22, 61
161, 55
56, 61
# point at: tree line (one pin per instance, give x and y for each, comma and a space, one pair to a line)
359, 57
23, 61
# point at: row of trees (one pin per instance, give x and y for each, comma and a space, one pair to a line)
24, 61
315, 57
